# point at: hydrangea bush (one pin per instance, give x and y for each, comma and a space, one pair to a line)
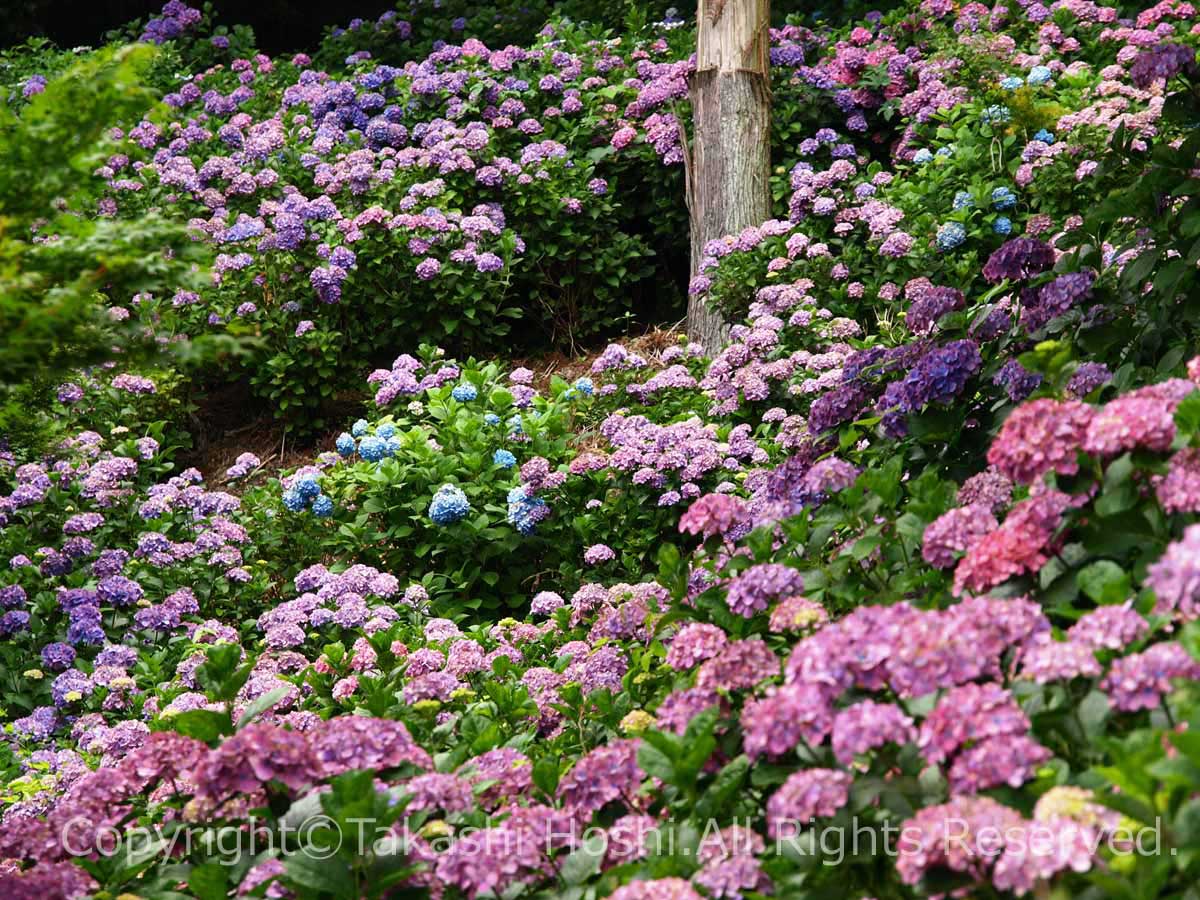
896, 596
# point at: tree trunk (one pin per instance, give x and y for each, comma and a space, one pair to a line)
730, 164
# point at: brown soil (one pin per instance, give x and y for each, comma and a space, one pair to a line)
230, 422
545, 366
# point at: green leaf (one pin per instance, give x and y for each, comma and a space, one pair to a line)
263, 703
209, 881
1093, 712
1187, 414
546, 774
1104, 581
727, 783
203, 724
1190, 639
655, 763
584, 862
326, 875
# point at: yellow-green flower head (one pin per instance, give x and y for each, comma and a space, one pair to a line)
637, 721
1077, 804
436, 828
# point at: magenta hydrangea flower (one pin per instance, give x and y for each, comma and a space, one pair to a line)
989, 488
954, 532
714, 514
776, 724
1020, 545
753, 590
868, 725
598, 554
974, 835
1010, 760
741, 665
258, 754
1018, 259
971, 712
1047, 661
1041, 436
658, 889
1141, 418
345, 743
806, 795
797, 615
1109, 627
695, 643
1179, 490
602, 776
544, 603
828, 476
1175, 577
54, 879
680, 707
508, 772
1140, 681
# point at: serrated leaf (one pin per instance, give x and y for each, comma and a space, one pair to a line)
203, 724
1104, 581
1187, 414
727, 783
261, 705
585, 861
209, 881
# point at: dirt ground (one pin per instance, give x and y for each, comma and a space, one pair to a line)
228, 423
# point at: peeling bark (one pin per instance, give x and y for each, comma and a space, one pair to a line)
730, 164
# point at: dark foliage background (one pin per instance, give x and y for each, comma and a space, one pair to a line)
280, 25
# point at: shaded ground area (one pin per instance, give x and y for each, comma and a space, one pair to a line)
229, 421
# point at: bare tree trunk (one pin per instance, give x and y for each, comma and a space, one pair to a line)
730, 163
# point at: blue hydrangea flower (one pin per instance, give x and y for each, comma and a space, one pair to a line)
449, 505
950, 236
585, 386
345, 444
1046, 137
995, 115
386, 430
1002, 225
307, 489
515, 424
391, 446
963, 200
504, 459
372, 448
946, 152
1003, 198
524, 511
322, 506
491, 419
464, 393
292, 500
1011, 83
359, 428
1039, 75
922, 156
